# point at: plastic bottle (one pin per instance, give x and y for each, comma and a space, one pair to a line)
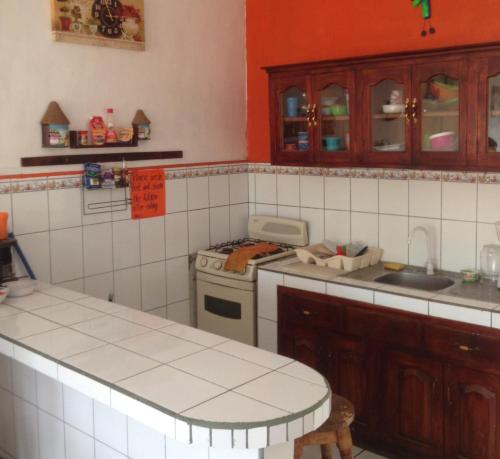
111, 136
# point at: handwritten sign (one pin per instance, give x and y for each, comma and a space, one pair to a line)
147, 193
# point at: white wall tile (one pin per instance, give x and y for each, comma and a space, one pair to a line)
120, 210
315, 219
218, 190
154, 285
176, 191
393, 197
51, 432
36, 249
177, 280
180, 312
128, 287
488, 203
93, 203
418, 247
364, 195
238, 221
267, 335
393, 237
403, 303
265, 188
77, 285
66, 254
459, 201
26, 423
338, 226
221, 439
176, 235
78, 445
351, 293
24, 382
458, 246
5, 372
267, 294
251, 187
219, 225
425, 198
364, 228
143, 442
126, 244
152, 232
312, 191
288, 190
302, 283
110, 427
486, 234
257, 438
100, 286
6, 206
105, 452
199, 230
65, 208
7, 424
238, 188
266, 209
179, 450
252, 209
31, 212
49, 395
78, 410
338, 193
97, 249
198, 193
468, 315
289, 212
495, 321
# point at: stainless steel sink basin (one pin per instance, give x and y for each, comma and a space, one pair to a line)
418, 281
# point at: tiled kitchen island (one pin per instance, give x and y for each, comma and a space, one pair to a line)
191, 393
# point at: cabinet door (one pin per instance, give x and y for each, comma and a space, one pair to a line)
414, 404
349, 369
489, 113
384, 110
472, 424
304, 344
291, 120
334, 104
439, 113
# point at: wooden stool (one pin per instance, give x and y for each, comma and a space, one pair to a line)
334, 430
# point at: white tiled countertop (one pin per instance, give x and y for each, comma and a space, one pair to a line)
477, 304
193, 386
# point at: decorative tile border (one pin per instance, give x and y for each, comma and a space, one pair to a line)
342, 173
395, 174
489, 179
25, 186
459, 177
5, 187
431, 176
366, 173
64, 183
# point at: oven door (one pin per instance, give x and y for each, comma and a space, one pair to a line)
227, 311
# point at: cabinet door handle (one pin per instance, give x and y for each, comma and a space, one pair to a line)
414, 110
407, 113
314, 116
465, 348
306, 312
309, 115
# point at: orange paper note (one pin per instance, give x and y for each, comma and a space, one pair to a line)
147, 193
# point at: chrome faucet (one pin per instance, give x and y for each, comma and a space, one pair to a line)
428, 264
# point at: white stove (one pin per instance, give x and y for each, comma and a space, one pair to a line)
226, 300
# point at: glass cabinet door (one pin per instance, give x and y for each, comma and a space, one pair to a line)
333, 104
386, 111
437, 112
493, 117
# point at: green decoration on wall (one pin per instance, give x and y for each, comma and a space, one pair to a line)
426, 14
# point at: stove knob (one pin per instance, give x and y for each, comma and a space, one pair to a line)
204, 262
218, 265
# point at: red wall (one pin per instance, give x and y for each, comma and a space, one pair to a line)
288, 31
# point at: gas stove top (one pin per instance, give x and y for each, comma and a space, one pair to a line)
228, 248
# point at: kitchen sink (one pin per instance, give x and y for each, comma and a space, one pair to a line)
420, 281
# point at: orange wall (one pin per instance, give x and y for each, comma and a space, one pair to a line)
287, 31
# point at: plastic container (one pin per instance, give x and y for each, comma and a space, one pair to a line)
443, 141
4, 218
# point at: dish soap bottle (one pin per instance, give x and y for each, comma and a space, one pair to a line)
111, 136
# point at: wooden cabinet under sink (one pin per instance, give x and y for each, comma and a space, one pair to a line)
422, 387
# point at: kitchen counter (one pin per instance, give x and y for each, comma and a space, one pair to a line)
477, 303
192, 386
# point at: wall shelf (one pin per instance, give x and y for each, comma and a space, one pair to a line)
61, 160
73, 142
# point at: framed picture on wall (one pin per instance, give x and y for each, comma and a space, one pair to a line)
113, 23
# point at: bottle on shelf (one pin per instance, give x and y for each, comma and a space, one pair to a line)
111, 136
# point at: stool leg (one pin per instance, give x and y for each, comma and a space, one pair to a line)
344, 442
297, 449
326, 452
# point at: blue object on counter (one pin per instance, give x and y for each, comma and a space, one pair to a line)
292, 106
23, 259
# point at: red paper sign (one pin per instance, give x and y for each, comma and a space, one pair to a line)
147, 193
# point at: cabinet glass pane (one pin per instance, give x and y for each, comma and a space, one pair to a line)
334, 119
440, 110
388, 120
295, 129
494, 114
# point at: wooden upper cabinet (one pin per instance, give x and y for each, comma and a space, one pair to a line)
439, 108
292, 120
489, 112
334, 117
385, 127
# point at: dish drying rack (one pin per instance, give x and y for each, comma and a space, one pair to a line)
320, 255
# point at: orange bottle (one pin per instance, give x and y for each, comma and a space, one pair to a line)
4, 217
